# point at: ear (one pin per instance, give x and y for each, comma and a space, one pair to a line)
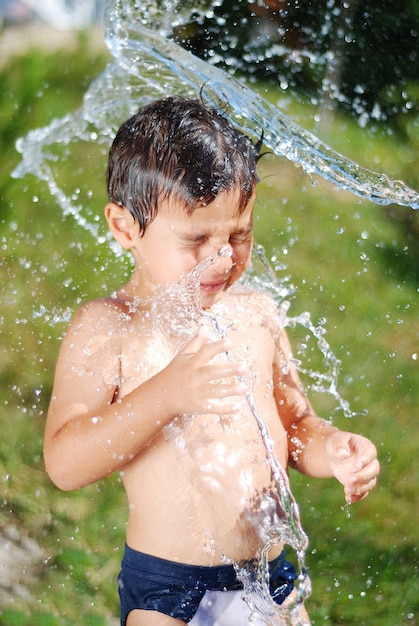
121, 224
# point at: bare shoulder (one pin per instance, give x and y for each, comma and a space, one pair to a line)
259, 306
96, 333
93, 345
251, 307
102, 316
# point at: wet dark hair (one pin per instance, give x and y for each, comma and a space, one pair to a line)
175, 147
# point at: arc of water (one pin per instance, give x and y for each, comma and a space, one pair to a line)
131, 41
147, 65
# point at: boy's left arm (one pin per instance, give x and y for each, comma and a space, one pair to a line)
316, 447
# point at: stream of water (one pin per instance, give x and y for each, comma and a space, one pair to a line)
146, 65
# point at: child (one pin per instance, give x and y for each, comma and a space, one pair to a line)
181, 183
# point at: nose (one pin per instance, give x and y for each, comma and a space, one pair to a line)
224, 260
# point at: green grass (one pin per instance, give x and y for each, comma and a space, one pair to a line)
352, 263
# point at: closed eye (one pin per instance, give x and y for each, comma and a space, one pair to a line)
240, 238
193, 242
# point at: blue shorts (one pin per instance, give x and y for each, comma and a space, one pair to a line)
155, 584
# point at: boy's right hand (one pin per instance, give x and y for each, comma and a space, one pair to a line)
193, 383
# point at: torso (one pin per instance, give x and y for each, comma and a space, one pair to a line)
205, 473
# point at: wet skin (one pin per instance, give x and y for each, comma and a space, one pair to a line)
191, 482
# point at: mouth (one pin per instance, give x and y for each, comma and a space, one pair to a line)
213, 287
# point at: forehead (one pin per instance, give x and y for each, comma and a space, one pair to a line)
221, 214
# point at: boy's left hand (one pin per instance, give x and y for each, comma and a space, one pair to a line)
353, 461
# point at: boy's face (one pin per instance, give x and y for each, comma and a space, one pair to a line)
175, 242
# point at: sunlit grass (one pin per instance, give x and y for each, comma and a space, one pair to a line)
351, 264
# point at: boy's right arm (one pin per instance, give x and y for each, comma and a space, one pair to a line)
88, 436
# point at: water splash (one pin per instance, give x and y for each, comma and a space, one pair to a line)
146, 65
261, 276
274, 513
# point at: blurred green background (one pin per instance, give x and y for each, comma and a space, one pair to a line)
354, 266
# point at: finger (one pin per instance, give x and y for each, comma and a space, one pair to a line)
224, 390
206, 348
211, 349
197, 342
226, 406
352, 498
359, 490
365, 451
232, 369
368, 471
342, 454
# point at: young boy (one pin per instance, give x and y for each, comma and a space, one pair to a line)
181, 183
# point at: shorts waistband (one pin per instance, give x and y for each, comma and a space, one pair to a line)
213, 576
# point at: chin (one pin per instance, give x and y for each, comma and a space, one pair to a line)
208, 299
